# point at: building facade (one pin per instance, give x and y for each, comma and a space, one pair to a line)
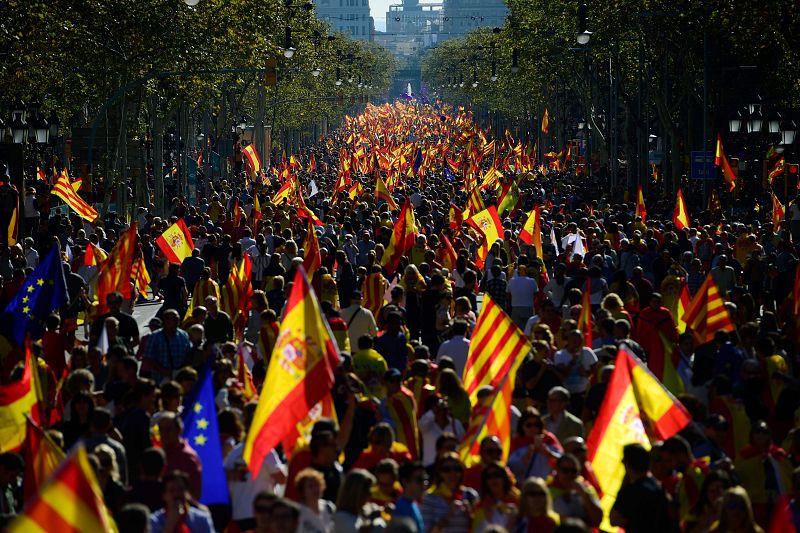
461, 16
347, 16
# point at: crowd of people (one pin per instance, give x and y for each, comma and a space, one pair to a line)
392, 457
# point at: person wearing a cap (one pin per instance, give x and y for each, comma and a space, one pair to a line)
641, 505
359, 319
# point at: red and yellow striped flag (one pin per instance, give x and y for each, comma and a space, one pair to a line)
546, 122
382, 192
300, 373
375, 286
42, 457
641, 209
140, 276
236, 293
778, 213
706, 313
40, 174
402, 239
18, 401
243, 374
77, 184
283, 193
252, 160
585, 320
492, 417
313, 258
475, 201
94, 255
63, 189
635, 400
682, 304
176, 241
70, 501
531, 233
355, 191
722, 161
114, 274
680, 216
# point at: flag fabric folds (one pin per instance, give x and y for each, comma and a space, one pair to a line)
299, 376
706, 313
531, 233
20, 401
680, 216
382, 193
635, 400
402, 238
722, 161
43, 292
487, 223
13, 226
70, 501
140, 276
63, 189
778, 213
202, 433
42, 457
585, 319
313, 258
490, 418
252, 159
641, 209
176, 242
94, 255
546, 122
115, 272
235, 294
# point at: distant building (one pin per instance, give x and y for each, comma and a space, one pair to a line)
347, 16
462, 16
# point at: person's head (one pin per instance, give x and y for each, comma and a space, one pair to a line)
737, 511
568, 468
263, 504
176, 488
212, 304
133, 518
114, 302
575, 446
284, 516
393, 380
574, 340
636, 459
491, 449
356, 298
100, 420
715, 483
459, 327
557, 401
535, 498
448, 470
655, 300
310, 485
324, 450
170, 427
171, 320
677, 452
413, 478
152, 463
381, 438
495, 481
530, 423
386, 473
354, 492
107, 460
760, 436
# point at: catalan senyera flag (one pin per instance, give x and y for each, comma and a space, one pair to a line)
585, 320
94, 255
71, 500
374, 289
114, 274
402, 239
42, 457
236, 293
252, 159
77, 184
778, 213
382, 192
680, 216
299, 376
706, 313
490, 418
244, 376
140, 276
475, 201
722, 161
176, 242
641, 209
18, 401
63, 189
635, 400
546, 122
487, 223
496, 348
313, 258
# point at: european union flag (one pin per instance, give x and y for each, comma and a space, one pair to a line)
447, 173
201, 432
44, 291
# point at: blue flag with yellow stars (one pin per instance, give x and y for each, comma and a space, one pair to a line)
201, 432
43, 292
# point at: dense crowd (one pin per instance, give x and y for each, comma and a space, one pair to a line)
390, 457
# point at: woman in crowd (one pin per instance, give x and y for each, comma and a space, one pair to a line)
448, 505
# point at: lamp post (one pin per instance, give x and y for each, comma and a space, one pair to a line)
583, 35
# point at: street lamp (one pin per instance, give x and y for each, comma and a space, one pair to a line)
54, 125
191, 3
41, 129
788, 133
494, 71
756, 120
288, 49
338, 77
774, 123
514, 61
316, 72
583, 35
19, 128
474, 78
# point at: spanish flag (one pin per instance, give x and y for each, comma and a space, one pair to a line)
680, 217
706, 313
13, 226
446, 254
94, 255
283, 193
641, 209
402, 239
18, 400
546, 122
252, 159
722, 161
531, 233
585, 320
496, 350
300, 373
635, 400
176, 242
778, 213
70, 501
488, 224
313, 258
236, 293
382, 192
115, 272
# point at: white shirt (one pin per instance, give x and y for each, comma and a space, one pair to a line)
430, 432
576, 383
310, 522
244, 492
522, 289
555, 290
363, 324
247, 242
457, 348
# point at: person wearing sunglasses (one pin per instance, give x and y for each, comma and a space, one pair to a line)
499, 499
573, 496
536, 508
447, 506
533, 449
